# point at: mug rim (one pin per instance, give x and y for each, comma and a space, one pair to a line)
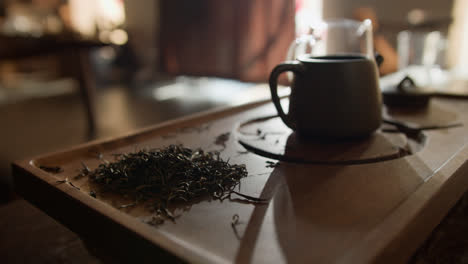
333, 58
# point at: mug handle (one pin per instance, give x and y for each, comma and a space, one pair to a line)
293, 66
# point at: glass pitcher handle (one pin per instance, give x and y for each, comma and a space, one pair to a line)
299, 47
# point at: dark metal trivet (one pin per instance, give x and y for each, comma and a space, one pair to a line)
416, 134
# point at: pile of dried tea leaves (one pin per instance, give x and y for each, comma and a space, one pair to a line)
170, 174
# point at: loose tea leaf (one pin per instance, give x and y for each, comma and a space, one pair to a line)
85, 169
69, 183
271, 164
171, 174
234, 223
51, 169
250, 198
222, 139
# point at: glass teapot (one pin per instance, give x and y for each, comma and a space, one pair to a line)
336, 37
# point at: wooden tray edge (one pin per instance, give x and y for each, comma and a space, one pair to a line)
71, 208
67, 204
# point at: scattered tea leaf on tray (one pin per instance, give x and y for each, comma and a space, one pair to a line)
271, 164
69, 183
85, 169
234, 223
250, 198
222, 139
51, 169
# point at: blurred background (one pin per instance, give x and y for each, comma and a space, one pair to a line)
77, 70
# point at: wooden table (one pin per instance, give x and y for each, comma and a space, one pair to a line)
361, 207
73, 47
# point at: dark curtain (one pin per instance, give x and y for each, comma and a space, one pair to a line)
241, 39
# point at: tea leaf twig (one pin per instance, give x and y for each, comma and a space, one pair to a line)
69, 183
234, 223
51, 169
250, 198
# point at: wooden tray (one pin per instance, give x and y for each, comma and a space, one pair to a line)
376, 211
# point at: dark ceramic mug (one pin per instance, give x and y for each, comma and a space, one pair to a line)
335, 96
